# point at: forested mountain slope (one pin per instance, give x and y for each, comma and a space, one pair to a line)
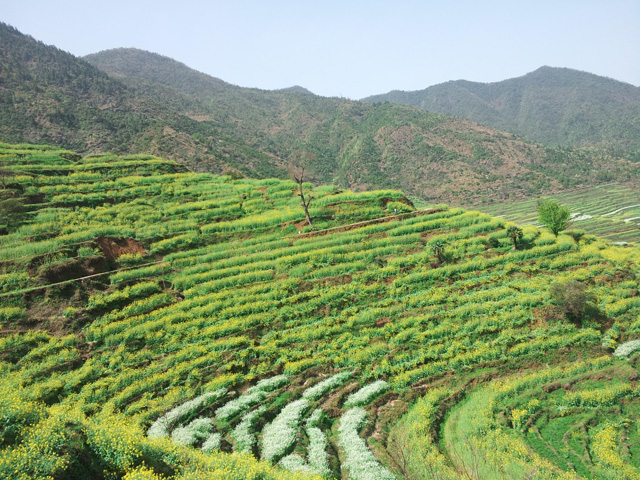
47, 95
367, 146
555, 106
156, 105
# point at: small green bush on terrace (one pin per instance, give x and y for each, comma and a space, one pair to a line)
573, 299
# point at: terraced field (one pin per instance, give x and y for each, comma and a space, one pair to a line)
610, 211
163, 324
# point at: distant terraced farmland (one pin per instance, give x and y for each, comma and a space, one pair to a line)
610, 211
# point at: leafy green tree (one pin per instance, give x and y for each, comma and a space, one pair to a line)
553, 215
515, 233
12, 211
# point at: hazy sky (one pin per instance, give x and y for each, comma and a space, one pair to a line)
350, 48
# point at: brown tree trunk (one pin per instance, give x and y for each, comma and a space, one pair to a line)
305, 201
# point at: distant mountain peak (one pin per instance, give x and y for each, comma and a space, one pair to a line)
554, 105
296, 89
133, 62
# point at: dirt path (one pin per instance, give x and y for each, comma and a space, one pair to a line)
375, 221
619, 210
40, 287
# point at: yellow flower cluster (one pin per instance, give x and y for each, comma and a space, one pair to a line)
605, 448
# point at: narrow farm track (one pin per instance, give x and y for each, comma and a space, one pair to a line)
374, 221
74, 280
620, 210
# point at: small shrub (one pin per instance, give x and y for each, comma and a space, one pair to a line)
437, 248
572, 298
515, 234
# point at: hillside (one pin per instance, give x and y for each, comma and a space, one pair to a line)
152, 104
155, 320
555, 106
361, 146
50, 96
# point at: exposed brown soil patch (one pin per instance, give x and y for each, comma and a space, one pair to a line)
75, 268
331, 406
199, 117
112, 248
382, 321
334, 281
552, 387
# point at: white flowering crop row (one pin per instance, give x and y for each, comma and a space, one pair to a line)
359, 460
280, 434
243, 433
317, 453
627, 349
196, 431
318, 460
315, 392
269, 384
160, 428
212, 443
366, 394
254, 395
295, 463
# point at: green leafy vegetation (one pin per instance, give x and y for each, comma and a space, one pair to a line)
341, 351
553, 215
611, 211
516, 234
572, 298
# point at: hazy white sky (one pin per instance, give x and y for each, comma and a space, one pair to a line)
350, 48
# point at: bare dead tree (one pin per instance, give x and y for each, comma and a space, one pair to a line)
298, 175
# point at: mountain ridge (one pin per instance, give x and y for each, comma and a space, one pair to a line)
167, 109
245, 105
554, 105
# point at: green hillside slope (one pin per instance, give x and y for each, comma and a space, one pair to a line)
556, 106
362, 146
611, 211
156, 320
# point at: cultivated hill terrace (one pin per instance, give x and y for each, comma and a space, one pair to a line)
158, 323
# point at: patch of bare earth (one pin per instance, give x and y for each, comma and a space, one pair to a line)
112, 248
